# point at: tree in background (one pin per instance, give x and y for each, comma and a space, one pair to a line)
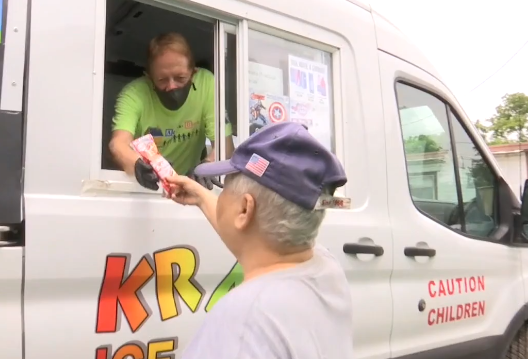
421, 144
510, 122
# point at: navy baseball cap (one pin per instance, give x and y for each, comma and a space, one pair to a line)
286, 159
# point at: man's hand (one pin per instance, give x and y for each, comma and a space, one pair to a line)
186, 191
205, 182
145, 175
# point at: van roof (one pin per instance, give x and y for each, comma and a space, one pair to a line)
393, 41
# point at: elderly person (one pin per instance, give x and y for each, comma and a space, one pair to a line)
174, 102
295, 300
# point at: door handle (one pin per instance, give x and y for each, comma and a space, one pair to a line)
419, 252
356, 248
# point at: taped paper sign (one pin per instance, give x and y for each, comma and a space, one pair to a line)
265, 109
310, 98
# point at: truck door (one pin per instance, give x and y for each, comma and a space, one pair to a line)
456, 284
13, 16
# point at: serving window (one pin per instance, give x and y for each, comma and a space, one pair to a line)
259, 78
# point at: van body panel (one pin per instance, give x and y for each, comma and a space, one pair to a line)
392, 40
11, 325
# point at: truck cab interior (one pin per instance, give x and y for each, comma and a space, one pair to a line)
130, 26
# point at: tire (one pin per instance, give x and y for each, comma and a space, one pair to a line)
519, 347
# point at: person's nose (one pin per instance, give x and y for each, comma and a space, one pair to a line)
172, 85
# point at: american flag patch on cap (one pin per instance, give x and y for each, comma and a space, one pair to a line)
257, 165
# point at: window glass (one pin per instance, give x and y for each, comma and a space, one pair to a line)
290, 82
432, 170
428, 154
231, 85
478, 184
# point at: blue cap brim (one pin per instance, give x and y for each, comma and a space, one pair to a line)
214, 169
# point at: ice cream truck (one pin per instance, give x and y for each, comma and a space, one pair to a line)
94, 266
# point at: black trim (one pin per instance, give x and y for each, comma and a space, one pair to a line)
12, 148
456, 169
2, 41
494, 347
358, 248
11, 163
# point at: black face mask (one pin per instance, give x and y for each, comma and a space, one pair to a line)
174, 99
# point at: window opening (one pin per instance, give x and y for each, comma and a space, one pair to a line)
182, 135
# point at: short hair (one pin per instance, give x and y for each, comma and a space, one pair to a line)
285, 223
170, 41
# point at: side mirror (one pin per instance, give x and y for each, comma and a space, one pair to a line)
524, 203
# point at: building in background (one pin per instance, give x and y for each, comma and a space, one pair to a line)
512, 160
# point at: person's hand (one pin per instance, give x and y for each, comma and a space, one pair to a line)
205, 182
145, 175
185, 190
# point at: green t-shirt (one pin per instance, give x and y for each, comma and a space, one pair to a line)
180, 135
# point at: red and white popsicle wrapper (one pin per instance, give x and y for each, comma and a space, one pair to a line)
147, 149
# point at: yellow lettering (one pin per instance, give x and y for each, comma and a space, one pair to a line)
166, 286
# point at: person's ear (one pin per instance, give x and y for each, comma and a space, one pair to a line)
246, 212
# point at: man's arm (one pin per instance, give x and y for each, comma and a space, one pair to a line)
127, 113
207, 205
123, 154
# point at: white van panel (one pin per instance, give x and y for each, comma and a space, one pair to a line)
11, 275
394, 41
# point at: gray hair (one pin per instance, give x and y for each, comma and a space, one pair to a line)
280, 220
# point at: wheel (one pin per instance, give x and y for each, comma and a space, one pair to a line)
519, 347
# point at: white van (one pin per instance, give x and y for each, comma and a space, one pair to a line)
93, 266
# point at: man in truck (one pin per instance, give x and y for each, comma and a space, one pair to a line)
295, 300
175, 103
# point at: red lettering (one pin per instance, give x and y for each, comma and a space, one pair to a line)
441, 290
440, 315
155, 349
451, 317
432, 292
481, 308
450, 288
102, 353
460, 312
472, 284
130, 350
430, 319
456, 313
118, 290
467, 309
474, 309
459, 282
480, 283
